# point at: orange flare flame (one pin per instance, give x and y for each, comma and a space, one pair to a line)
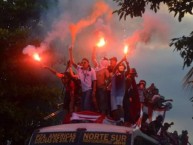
126, 49
36, 57
101, 42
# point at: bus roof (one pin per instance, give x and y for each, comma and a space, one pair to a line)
96, 127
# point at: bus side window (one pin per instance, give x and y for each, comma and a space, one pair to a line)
139, 140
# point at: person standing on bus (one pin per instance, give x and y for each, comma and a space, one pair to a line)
71, 96
102, 75
87, 77
118, 91
131, 101
110, 68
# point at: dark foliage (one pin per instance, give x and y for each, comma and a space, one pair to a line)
25, 95
185, 46
136, 8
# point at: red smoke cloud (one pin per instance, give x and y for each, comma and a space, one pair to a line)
61, 27
99, 9
97, 24
31, 50
152, 26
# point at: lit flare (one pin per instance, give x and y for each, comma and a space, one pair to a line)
126, 49
37, 57
101, 42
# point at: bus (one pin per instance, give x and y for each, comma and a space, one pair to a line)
90, 134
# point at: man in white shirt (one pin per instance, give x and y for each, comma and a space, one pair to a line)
87, 76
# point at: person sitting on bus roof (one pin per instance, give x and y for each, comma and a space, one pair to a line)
155, 126
184, 138
144, 125
175, 136
165, 135
157, 103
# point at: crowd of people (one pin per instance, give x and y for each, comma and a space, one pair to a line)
159, 130
109, 86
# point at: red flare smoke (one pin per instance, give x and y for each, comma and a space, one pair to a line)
99, 9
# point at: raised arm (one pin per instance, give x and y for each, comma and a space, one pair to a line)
116, 67
128, 67
68, 65
59, 75
71, 57
72, 73
94, 61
